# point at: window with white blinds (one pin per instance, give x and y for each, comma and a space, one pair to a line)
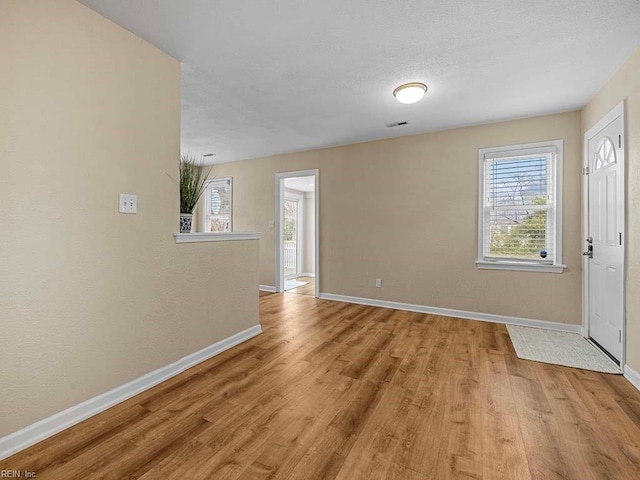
218, 205
520, 216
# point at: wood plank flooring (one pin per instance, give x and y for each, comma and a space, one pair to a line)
308, 289
338, 391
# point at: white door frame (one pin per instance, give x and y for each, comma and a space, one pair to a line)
279, 190
617, 111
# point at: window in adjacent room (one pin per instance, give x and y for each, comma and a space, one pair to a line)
218, 205
520, 207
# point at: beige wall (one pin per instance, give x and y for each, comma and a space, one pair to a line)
625, 85
91, 299
421, 238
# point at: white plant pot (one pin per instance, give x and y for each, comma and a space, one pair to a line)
186, 222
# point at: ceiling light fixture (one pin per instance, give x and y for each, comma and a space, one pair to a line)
410, 92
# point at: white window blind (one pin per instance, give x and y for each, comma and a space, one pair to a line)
519, 205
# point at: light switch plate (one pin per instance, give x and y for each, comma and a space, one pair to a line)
128, 203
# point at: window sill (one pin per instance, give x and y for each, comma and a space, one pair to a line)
520, 266
215, 237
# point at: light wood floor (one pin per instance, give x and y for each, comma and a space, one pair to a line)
332, 390
308, 289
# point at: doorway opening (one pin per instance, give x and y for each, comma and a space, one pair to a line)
604, 234
297, 238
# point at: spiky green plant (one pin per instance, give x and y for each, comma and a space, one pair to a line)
193, 177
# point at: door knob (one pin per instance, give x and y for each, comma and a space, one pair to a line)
589, 252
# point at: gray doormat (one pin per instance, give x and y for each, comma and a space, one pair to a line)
559, 348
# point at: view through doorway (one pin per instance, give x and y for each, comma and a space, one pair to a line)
297, 233
293, 231
303, 286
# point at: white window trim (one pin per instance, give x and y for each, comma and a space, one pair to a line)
206, 221
522, 149
200, 237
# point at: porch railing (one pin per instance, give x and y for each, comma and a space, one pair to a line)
290, 254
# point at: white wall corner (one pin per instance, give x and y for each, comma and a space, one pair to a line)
49, 426
631, 375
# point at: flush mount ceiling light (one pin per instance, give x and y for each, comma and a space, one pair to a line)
410, 92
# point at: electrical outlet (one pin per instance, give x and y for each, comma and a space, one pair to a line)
128, 203
272, 224
378, 283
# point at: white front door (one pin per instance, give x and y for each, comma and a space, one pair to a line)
606, 234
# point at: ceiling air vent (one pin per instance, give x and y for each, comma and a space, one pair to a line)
396, 124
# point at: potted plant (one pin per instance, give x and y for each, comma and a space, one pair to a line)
193, 177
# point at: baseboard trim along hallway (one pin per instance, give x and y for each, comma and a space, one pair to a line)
49, 426
447, 312
339, 390
631, 375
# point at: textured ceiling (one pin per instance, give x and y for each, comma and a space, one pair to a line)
267, 77
302, 184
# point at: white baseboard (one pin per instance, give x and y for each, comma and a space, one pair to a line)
267, 288
631, 375
49, 426
447, 312
308, 275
